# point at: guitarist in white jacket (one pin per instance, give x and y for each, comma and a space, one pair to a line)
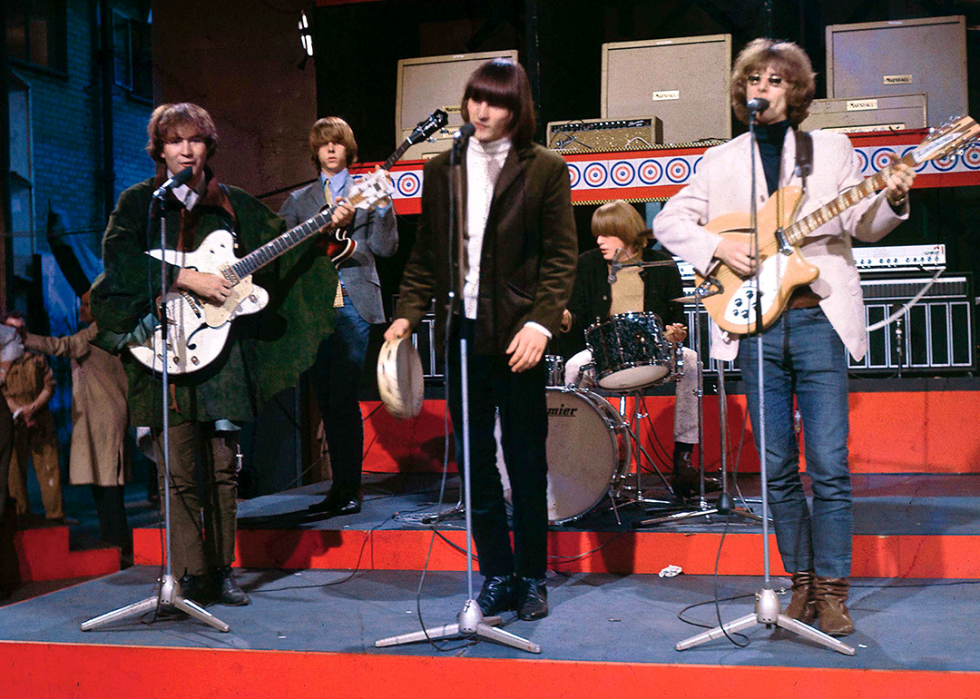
804, 349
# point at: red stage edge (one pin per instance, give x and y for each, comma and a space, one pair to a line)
623, 553
43, 554
97, 671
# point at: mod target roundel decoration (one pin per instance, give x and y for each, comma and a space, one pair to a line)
678, 170
623, 173
971, 159
596, 175
882, 158
650, 172
575, 175
946, 163
862, 161
408, 184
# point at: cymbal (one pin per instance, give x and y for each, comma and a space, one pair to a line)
683, 299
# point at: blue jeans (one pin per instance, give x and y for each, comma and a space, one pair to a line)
803, 355
337, 377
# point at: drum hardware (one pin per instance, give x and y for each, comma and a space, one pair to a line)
725, 505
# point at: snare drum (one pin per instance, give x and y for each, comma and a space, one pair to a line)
629, 351
588, 450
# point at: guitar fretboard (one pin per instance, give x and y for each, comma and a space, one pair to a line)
812, 221
262, 256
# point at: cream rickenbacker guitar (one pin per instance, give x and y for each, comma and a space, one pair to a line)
784, 268
197, 329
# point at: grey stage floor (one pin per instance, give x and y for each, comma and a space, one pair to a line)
883, 504
902, 624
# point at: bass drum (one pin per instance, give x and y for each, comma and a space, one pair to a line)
588, 451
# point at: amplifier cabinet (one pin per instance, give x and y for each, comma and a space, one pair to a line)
900, 57
935, 336
684, 81
850, 115
430, 83
588, 135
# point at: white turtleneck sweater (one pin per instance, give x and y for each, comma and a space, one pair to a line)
484, 161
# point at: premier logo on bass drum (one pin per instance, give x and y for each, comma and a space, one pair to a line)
562, 411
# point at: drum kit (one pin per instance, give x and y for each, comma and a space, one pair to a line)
591, 445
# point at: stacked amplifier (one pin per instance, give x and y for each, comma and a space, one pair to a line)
879, 60
604, 135
934, 335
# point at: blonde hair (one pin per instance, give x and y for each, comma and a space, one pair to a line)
619, 219
332, 130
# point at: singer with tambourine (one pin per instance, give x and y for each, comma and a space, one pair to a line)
804, 349
264, 353
611, 279
517, 270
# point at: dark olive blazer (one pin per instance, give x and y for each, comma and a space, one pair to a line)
527, 264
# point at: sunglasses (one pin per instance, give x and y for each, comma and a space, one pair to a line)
774, 80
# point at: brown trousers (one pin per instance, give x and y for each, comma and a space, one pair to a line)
203, 510
38, 443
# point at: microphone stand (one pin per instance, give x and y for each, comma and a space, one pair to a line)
169, 595
470, 622
768, 609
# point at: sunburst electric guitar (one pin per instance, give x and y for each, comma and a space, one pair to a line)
733, 305
197, 329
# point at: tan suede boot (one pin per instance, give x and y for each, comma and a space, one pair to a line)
801, 607
830, 595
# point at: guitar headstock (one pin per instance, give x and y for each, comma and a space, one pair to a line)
370, 189
953, 135
428, 126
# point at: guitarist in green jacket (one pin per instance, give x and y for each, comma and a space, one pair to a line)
264, 353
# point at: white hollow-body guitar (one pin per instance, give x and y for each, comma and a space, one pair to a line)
197, 329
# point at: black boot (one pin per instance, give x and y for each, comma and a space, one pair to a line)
497, 595
532, 599
684, 480
339, 501
226, 590
196, 588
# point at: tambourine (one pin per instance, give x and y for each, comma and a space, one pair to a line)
400, 380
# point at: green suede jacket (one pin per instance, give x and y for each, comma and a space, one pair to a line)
264, 354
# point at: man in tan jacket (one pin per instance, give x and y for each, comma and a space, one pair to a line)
100, 419
28, 384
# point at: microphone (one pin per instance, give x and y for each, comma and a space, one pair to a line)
757, 105
182, 177
614, 266
464, 133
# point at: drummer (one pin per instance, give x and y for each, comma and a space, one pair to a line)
622, 235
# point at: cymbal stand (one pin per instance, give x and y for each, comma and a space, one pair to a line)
724, 505
768, 609
169, 595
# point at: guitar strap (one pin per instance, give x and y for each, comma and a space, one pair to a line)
804, 155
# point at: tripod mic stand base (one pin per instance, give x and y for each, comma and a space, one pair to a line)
169, 597
470, 623
768, 612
